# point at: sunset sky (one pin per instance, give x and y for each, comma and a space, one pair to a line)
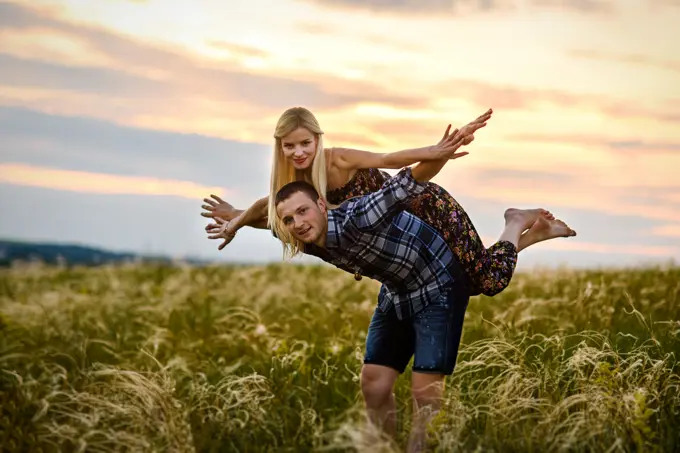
118, 116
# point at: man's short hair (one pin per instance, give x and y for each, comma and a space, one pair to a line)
289, 189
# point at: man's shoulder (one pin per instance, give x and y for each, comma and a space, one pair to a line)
340, 222
343, 213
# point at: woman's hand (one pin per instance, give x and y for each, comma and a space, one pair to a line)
223, 229
477, 124
217, 207
450, 142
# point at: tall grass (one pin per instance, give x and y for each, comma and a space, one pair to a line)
183, 359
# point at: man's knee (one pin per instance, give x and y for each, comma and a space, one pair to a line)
376, 384
427, 389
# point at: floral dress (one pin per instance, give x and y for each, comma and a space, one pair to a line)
490, 269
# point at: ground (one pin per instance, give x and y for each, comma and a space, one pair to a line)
202, 359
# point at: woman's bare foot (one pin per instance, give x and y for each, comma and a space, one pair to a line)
526, 217
544, 229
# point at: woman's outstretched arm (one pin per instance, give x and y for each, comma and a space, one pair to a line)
434, 157
255, 216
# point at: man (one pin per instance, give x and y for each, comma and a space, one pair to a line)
422, 299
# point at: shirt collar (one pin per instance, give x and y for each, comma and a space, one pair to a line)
333, 233
335, 218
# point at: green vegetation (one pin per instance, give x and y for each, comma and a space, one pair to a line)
207, 359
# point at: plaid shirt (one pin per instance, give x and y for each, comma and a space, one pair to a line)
373, 236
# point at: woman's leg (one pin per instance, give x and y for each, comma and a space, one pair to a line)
517, 221
544, 229
490, 269
502, 256
495, 265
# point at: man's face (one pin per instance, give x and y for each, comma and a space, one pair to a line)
305, 220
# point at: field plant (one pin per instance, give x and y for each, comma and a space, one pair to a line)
161, 358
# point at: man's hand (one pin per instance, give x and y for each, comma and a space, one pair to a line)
222, 229
217, 207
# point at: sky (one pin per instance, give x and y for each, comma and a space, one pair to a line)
118, 117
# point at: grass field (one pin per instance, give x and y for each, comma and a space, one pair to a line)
182, 359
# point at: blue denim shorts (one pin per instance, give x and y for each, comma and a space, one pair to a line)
431, 336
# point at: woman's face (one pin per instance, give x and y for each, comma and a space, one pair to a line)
299, 148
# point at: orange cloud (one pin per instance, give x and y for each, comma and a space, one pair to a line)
504, 97
667, 230
238, 50
671, 197
575, 245
53, 45
373, 38
618, 143
436, 7
101, 183
350, 140
633, 59
164, 88
580, 191
169, 73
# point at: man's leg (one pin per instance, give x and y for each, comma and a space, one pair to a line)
389, 347
427, 390
377, 387
438, 330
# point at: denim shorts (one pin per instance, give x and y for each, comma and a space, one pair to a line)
431, 336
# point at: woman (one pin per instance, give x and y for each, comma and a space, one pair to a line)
341, 173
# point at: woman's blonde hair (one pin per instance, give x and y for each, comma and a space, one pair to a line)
283, 172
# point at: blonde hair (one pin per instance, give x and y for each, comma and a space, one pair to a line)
283, 172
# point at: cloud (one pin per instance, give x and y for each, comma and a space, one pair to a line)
267, 92
434, 7
378, 39
237, 49
672, 3
375, 132
576, 245
672, 231
30, 73
583, 6
502, 97
173, 226
89, 145
165, 225
504, 177
411, 6
101, 183
579, 188
159, 86
175, 75
349, 140
616, 144
129, 50
632, 59
619, 249
404, 127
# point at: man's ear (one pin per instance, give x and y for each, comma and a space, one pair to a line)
321, 204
